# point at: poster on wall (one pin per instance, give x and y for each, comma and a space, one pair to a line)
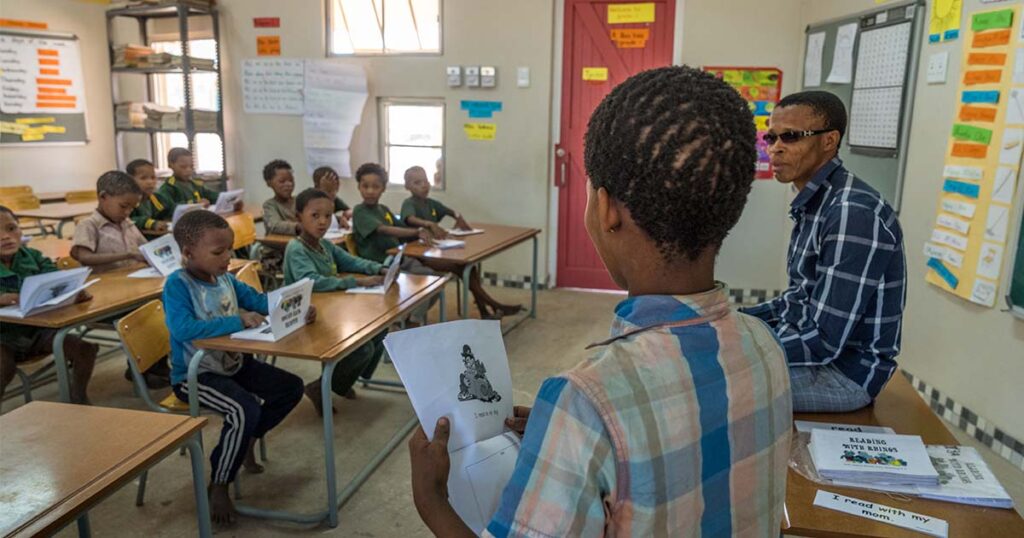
762, 88
966, 250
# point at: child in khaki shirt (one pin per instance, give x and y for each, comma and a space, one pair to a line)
107, 239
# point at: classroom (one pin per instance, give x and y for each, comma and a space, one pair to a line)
511, 268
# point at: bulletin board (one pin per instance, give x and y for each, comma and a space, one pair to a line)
972, 235
762, 88
43, 98
877, 89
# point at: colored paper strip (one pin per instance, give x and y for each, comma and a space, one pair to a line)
481, 109
972, 134
595, 74
46, 52
49, 61
30, 121
990, 97
32, 137
45, 71
971, 151
54, 81
480, 131
15, 23
54, 105
627, 13
959, 187
992, 19
986, 58
944, 273
991, 39
54, 97
266, 22
978, 113
987, 76
45, 89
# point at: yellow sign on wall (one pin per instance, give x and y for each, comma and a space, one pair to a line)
480, 130
595, 74
627, 13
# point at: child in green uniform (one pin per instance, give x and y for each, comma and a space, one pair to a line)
327, 180
155, 212
376, 228
180, 188
423, 211
311, 256
20, 342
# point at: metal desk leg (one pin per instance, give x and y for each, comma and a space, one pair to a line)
60, 361
443, 315
60, 227
84, 531
464, 300
533, 282
195, 453
332, 481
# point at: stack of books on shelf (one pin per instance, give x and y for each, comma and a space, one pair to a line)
140, 57
169, 118
130, 115
130, 55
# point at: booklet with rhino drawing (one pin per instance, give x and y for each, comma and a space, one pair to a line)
163, 255
460, 370
288, 307
48, 291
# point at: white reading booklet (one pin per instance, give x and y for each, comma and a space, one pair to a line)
181, 209
808, 425
446, 244
288, 307
460, 370
389, 278
459, 233
226, 201
163, 255
872, 457
48, 291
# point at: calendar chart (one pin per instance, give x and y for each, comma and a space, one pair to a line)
878, 87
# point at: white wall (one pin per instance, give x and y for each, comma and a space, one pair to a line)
973, 354
62, 168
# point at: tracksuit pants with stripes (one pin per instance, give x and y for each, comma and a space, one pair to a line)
252, 401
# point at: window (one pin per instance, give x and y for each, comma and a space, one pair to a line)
170, 90
383, 27
412, 131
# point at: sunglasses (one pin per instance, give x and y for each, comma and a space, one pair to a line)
791, 136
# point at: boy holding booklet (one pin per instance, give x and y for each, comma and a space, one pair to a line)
679, 424
107, 239
19, 343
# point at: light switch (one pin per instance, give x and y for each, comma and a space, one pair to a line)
937, 65
488, 76
523, 77
454, 73
472, 76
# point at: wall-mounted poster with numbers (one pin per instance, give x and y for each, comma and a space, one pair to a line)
762, 88
43, 97
878, 87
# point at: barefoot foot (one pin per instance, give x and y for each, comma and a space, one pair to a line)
249, 463
312, 391
222, 511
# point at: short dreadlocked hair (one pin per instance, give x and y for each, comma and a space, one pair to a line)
366, 169
677, 147
191, 226
117, 183
824, 104
272, 167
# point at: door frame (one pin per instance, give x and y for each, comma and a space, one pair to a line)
556, 119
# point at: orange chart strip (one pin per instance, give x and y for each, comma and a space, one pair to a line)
48, 61
988, 76
982, 58
977, 113
991, 39
46, 52
54, 81
54, 105
973, 151
52, 97
45, 71
45, 89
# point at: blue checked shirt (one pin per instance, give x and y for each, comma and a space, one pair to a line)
847, 280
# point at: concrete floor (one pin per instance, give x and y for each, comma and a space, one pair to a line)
555, 341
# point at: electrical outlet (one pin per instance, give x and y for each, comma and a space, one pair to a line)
523, 77
454, 74
937, 65
488, 76
472, 76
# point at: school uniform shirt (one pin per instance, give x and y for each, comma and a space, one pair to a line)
679, 425
340, 205
185, 191
322, 266
280, 218
25, 263
197, 310
426, 209
102, 236
153, 209
371, 244
847, 280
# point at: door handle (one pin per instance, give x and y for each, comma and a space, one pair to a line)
563, 157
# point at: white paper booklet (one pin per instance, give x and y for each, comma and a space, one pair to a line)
288, 307
389, 278
48, 291
872, 458
181, 209
460, 370
336, 231
808, 425
445, 244
460, 233
163, 255
226, 201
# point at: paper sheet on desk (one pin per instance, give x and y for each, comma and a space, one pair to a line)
62, 287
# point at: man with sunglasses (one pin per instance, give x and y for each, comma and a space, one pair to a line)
839, 320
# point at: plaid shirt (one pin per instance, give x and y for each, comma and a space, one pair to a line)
847, 280
678, 426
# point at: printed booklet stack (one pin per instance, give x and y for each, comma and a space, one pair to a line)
872, 458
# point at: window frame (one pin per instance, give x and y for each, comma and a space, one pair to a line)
329, 24
382, 133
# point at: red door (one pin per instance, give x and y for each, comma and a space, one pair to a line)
598, 55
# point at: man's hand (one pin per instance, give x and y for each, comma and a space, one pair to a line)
517, 422
8, 299
251, 319
82, 297
430, 466
311, 314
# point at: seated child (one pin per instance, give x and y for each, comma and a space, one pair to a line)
203, 300
376, 228
278, 212
311, 256
155, 212
423, 211
107, 239
19, 343
679, 424
181, 187
327, 180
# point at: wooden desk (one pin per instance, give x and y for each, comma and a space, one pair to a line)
51, 197
900, 408
113, 294
495, 239
51, 247
60, 460
62, 212
344, 322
